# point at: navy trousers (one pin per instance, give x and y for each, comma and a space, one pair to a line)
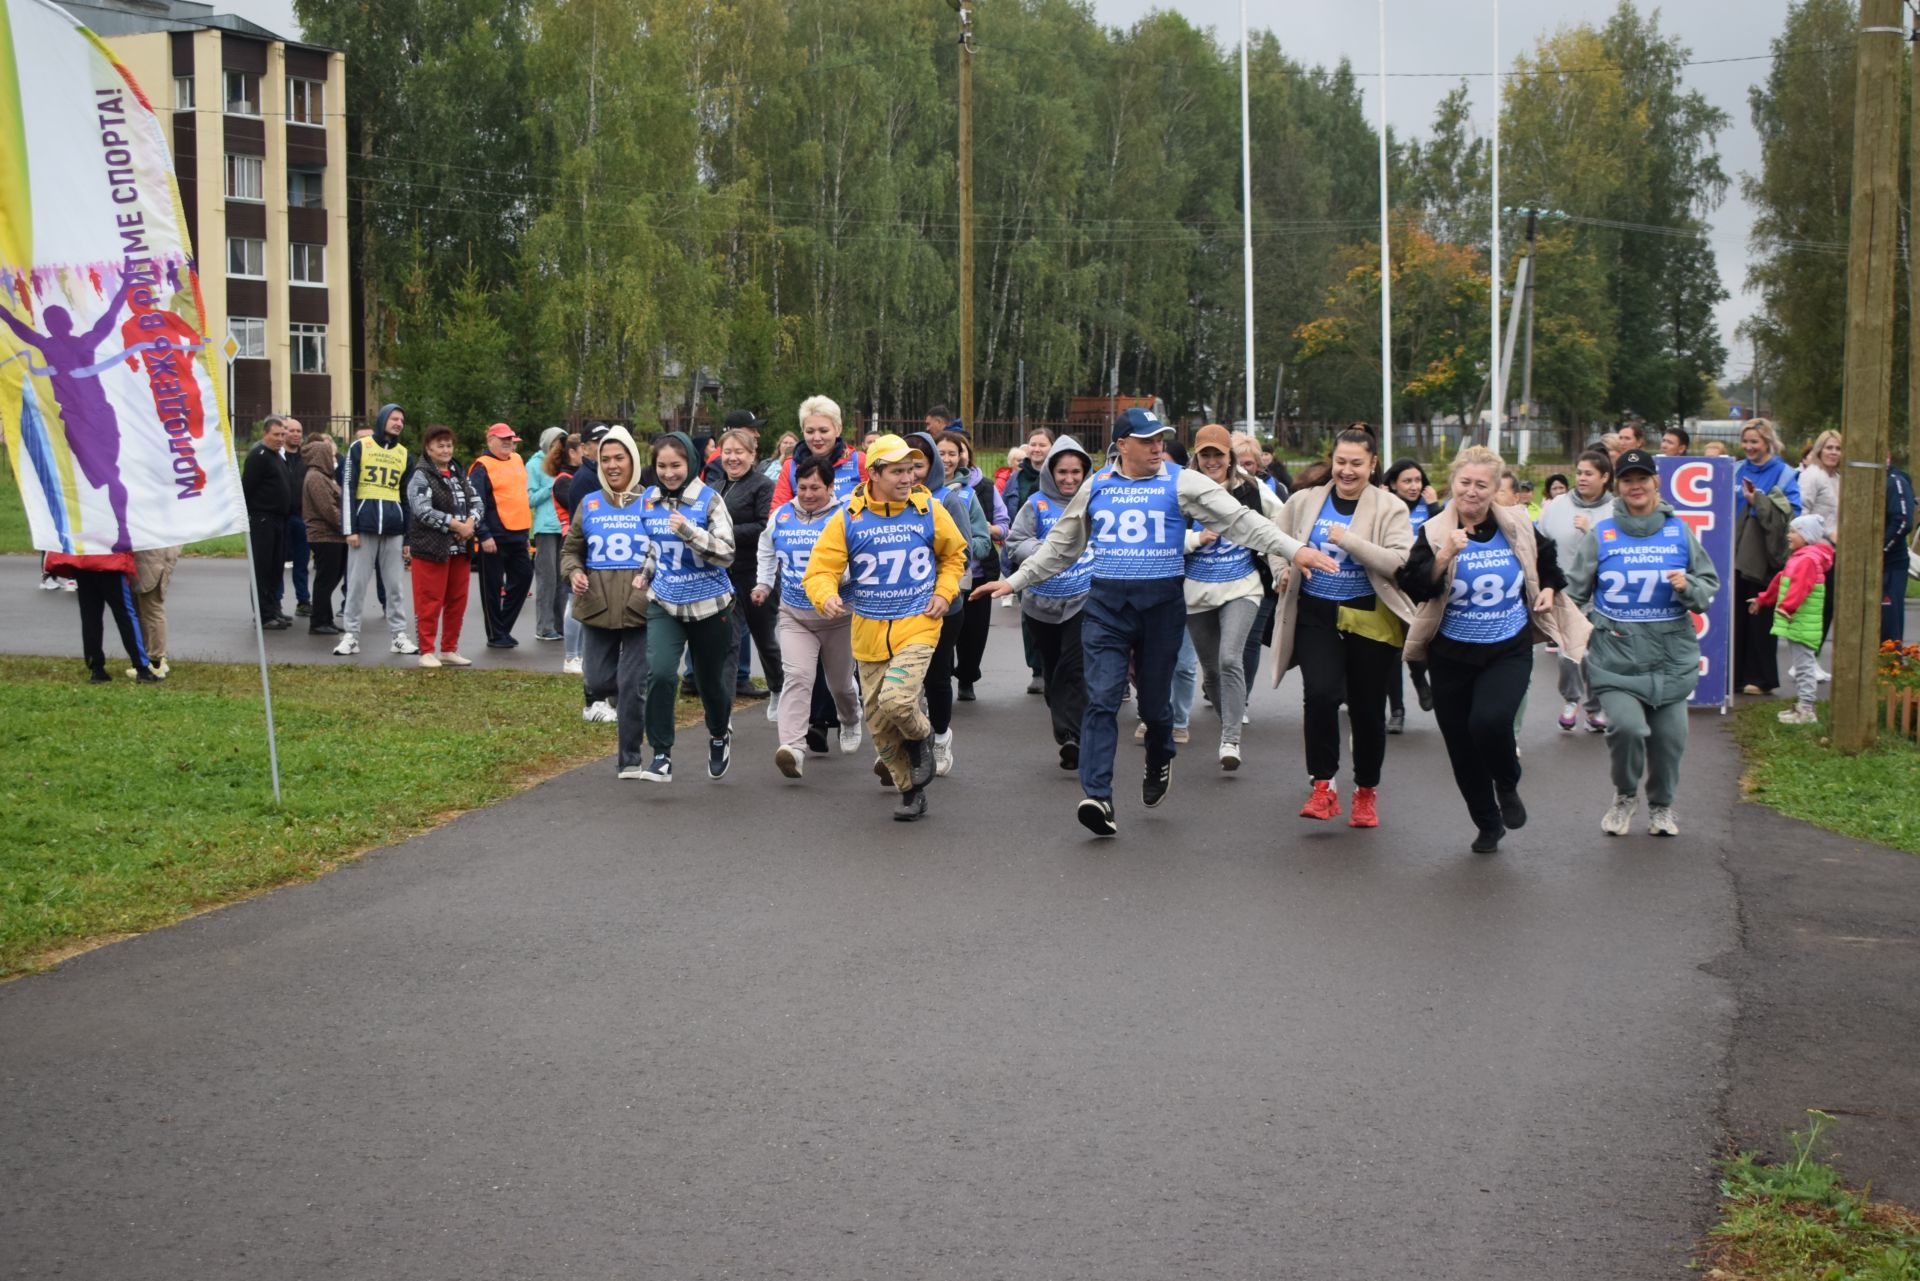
1128, 627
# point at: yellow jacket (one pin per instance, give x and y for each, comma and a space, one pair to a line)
875, 640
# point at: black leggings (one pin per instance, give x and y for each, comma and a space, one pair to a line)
757, 621
1756, 653
976, 621
103, 589
940, 673
1339, 667
1476, 708
1063, 665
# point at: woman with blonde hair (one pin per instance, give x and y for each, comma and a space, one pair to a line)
1487, 587
1769, 498
823, 434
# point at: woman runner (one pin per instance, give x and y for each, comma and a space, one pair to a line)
1565, 522
1408, 479
1050, 610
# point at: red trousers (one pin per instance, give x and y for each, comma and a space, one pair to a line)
440, 601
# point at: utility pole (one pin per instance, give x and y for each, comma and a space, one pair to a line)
1526, 370
1913, 284
965, 9
1872, 246
1246, 203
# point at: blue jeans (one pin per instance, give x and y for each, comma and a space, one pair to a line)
1186, 678
1141, 625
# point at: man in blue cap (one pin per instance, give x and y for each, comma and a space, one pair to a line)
1134, 515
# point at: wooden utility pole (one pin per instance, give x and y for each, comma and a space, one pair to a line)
1913, 280
1872, 248
966, 213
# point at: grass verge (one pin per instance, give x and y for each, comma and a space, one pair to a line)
17, 539
1797, 1221
128, 807
1869, 796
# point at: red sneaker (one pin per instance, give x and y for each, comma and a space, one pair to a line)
1364, 812
1323, 804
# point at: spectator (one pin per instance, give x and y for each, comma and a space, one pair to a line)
506, 522
375, 524
152, 575
1769, 498
297, 549
1713, 449
105, 582
1894, 555
549, 601
1676, 442
782, 450
266, 482
320, 502
444, 506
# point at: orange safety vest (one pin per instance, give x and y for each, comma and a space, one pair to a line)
508, 480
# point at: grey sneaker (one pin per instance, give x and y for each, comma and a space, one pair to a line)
1619, 819
1660, 821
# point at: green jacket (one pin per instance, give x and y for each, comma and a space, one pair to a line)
1656, 663
1802, 626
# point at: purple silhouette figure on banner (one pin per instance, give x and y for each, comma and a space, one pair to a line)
93, 433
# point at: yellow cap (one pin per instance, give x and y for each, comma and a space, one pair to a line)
887, 449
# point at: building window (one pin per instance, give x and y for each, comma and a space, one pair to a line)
243, 93
304, 189
246, 257
250, 332
306, 101
309, 349
183, 93
307, 264
246, 178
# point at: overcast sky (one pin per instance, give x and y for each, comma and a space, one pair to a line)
1454, 36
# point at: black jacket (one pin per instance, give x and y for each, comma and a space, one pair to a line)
267, 483
748, 500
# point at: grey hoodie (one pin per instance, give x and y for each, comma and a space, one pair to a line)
1023, 536
962, 506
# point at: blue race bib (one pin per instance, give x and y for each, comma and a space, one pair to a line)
1488, 601
1138, 532
1630, 580
794, 538
1349, 580
681, 577
890, 563
1077, 578
1219, 561
616, 537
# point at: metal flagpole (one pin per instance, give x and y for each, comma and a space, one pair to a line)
259, 632
1386, 260
1246, 201
1496, 408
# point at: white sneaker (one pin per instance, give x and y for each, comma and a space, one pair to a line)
849, 739
773, 709
1660, 821
1246, 718
349, 644
634, 771
69, 584
428, 660
600, 711
943, 754
570, 667
456, 660
1229, 756
404, 645
1619, 820
1821, 675
1798, 714
48, 583
791, 759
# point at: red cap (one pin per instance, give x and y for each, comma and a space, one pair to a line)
503, 431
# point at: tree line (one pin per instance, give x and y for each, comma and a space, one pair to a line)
567, 209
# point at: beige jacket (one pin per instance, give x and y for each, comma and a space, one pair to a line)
1379, 537
1563, 625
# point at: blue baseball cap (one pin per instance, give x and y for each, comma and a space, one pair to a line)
1142, 423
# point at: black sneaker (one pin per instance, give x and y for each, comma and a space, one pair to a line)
1153, 788
912, 806
1096, 816
1512, 812
276, 625
146, 676
719, 755
688, 689
748, 689
1423, 692
817, 739
99, 676
966, 692
920, 752
1488, 841
660, 771
304, 609
885, 775
1070, 754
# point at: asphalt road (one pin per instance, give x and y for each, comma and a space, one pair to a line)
752, 1028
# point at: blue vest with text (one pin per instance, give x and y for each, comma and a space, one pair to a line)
794, 537
1350, 581
1630, 581
890, 563
1138, 532
681, 577
616, 536
1418, 516
1077, 578
1488, 602
1219, 561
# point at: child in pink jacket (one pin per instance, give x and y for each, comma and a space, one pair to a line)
1799, 593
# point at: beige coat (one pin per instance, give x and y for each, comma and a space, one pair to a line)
1379, 537
1563, 625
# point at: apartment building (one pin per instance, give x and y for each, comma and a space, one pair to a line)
257, 125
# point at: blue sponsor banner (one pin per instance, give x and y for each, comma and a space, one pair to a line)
1701, 492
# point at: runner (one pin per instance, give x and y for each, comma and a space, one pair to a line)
1408, 479
1566, 521
930, 463
821, 433
906, 556
1638, 574
1345, 628
1225, 584
692, 609
1134, 514
608, 560
956, 456
1050, 611
1486, 588
808, 642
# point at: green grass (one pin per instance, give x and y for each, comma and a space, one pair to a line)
1797, 1221
1869, 796
16, 539
127, 807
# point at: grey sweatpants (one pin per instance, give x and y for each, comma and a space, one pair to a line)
1804, 671
382, 550
550, 595
1574, 687
1220, 639
1645, 741
615, 659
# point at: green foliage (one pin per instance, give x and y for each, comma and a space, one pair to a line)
1865, 796
454, 369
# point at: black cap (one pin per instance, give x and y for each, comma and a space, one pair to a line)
596, 433
1635, 460
743, 418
